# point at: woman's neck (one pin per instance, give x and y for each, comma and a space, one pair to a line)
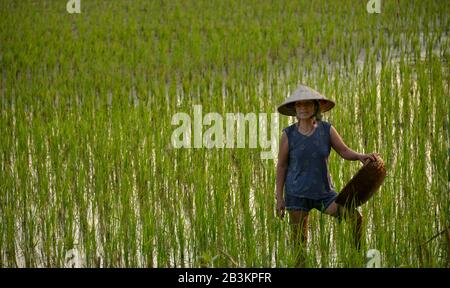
305, 124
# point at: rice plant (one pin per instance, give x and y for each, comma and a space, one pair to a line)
87, 100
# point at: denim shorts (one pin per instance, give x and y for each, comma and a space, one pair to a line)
306, 204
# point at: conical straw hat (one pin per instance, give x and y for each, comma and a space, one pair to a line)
304, 93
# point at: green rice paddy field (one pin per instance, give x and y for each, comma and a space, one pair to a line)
88, 172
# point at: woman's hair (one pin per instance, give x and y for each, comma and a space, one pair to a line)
317, 113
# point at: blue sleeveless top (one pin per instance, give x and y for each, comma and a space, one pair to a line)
307, 173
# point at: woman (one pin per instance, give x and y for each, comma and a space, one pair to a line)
302, 167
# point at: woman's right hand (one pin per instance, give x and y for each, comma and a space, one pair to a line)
371, 156
281, 206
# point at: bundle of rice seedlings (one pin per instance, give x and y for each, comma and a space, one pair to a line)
363, 185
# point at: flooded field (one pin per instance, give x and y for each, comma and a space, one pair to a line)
90, 176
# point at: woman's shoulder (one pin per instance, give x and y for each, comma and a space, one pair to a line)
289, 128
326, 127
324, 124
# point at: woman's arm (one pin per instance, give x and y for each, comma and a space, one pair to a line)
348, 154
283, 159
282, 165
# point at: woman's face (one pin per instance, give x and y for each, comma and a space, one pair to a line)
304, 109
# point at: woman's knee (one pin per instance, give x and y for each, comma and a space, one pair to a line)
298, 217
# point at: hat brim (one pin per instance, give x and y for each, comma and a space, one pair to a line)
288, 108
301, 94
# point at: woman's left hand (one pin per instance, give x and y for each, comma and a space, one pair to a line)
372, 156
